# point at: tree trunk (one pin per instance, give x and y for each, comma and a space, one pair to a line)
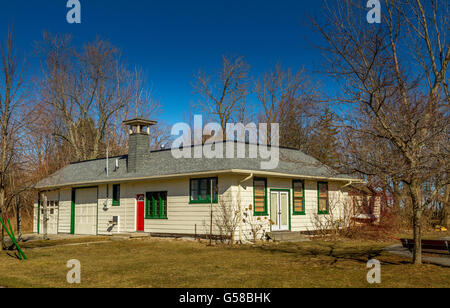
417, 224
446, 205
1, 235
2, 203
19, 220
396, 195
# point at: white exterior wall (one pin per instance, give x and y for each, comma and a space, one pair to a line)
307, 222
35, 216
52, 227
65, 210
183, 217
125, 211
186, 218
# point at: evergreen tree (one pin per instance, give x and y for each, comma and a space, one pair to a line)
325, 140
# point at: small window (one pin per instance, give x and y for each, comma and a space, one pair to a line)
201, 190
322, 188
299, 197
260, 196
116, 195
156, 205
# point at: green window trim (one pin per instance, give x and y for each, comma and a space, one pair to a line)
265, 212
116, 195
72, 212
150, 212
208, 192
318, 199
294, 212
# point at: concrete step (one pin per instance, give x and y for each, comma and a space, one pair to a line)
287, 236
130, 235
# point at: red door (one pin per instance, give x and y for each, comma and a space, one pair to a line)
140, 208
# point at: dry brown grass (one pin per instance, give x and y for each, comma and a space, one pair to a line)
174, 263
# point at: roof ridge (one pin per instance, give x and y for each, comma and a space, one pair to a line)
96, 159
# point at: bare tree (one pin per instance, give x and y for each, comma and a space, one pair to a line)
141, 104
287, 98
393, 78
12, 93
222, 96
89, 93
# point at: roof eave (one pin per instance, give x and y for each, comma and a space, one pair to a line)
203, 173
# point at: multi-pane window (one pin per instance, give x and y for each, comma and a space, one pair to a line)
260, 196
156, 205
322, 188
299, 197
116, 195
201, 190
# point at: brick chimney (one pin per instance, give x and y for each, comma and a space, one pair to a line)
138, 142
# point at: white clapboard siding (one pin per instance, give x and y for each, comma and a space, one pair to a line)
185, 218
307, 222
65, 210
35, 217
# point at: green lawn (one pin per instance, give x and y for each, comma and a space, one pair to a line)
175, 263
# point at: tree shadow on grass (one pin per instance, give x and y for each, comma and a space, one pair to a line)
13, 255
330, 252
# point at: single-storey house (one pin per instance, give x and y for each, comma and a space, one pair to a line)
153, 192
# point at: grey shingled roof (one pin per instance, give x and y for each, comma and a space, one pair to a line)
162, 163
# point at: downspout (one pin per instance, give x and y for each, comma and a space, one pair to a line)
350, 182
240, 204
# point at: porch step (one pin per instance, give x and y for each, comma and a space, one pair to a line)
287, 236
130, 235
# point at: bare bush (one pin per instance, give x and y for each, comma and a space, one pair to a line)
339, 220
226, 220
256, 226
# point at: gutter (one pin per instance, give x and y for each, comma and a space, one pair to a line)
233, 171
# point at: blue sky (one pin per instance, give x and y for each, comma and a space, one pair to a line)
171, 40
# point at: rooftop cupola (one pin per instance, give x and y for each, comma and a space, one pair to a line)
138, 142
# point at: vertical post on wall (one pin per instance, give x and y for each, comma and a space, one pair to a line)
211, 209
45, 216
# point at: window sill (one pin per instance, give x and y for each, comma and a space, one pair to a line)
203, 202
156, 218
299, 213
260, 214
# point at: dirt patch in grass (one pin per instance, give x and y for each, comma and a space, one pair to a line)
175, 263
42, 243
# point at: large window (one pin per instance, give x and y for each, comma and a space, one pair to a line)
299, 197
200, 190
260, 196
156, 205
116, 195
322, 188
